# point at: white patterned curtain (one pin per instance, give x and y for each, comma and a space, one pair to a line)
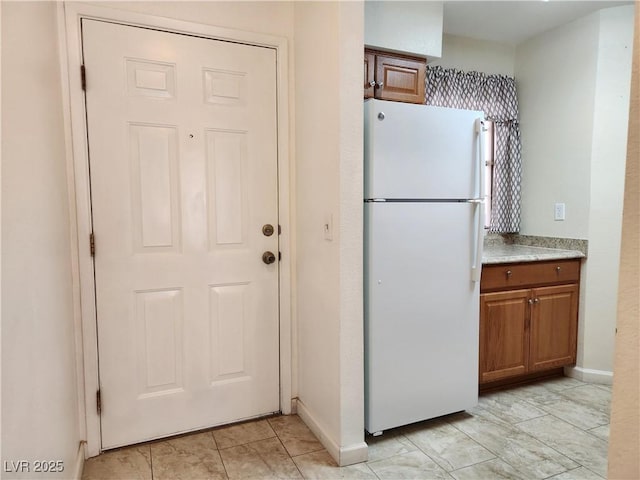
495, 95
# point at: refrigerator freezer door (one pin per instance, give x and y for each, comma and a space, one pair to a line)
419, 151
421, 312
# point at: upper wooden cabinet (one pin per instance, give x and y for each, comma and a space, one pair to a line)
394, 77
369, 73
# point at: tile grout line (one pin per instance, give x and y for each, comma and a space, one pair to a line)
566, 399
291, 457
307, 453
597, 474
484, 461
555, 449
420, 450
215, 443
515, 425
497, 456
585, 430
151, 461
477, 443
372, 470
288, 454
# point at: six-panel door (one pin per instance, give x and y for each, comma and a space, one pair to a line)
183, 158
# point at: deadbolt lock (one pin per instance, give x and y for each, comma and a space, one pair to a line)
267, 230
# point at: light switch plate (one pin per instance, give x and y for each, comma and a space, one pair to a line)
559, 212
328, 227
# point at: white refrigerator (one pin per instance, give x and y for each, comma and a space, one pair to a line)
424, 225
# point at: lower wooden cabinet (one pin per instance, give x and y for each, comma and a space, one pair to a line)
553, 327
527, 330
504, 335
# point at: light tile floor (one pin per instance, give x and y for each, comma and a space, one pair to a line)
555, 429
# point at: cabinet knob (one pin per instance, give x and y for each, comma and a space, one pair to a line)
536, 300
558, 269
531, 301
379, 84
509, 273
372, 83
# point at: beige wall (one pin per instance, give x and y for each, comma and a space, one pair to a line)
273, 18
556, 81
39, 401
328, 46
624, 443
608, 155
573, 85
351, 25
317, 200
469, 54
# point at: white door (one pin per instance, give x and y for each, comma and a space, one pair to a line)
183, 164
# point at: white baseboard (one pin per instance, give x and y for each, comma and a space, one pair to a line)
356, 453
78, 468
603, 377
347, 455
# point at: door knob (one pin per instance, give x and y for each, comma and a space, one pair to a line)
268, 257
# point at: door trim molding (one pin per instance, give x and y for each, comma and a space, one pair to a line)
69, 16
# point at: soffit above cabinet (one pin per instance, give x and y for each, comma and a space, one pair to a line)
512, 22
406, 27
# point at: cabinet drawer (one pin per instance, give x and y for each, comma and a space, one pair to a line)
507, 276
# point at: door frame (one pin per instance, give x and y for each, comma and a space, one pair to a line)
69, 16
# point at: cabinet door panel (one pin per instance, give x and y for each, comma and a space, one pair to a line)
504, 336
554, 321
369, 73
402, 78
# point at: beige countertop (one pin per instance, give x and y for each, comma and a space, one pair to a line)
521, 253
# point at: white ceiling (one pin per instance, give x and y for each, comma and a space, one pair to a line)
514, 21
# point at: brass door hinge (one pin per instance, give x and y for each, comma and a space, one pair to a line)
83, 77
92, 244
98, 402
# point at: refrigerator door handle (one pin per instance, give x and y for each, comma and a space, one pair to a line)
476, 266
476, 262
480, 129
